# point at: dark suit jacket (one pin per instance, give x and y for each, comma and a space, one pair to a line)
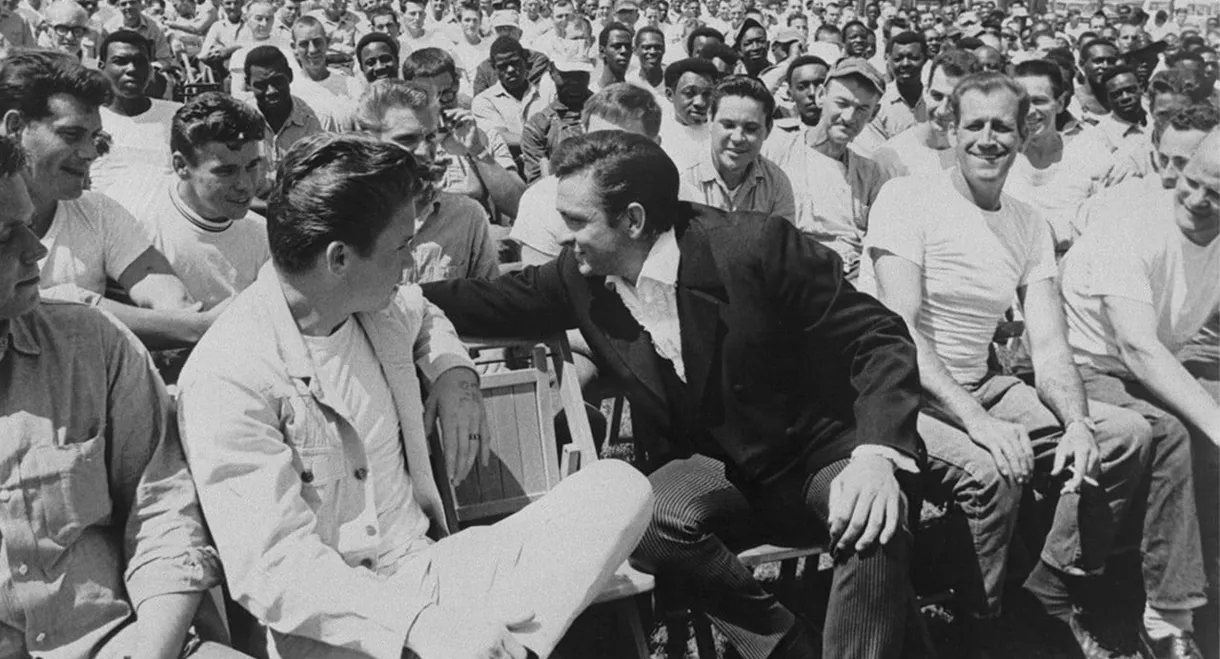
791, 366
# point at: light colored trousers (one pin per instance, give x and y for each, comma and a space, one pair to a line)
552, 558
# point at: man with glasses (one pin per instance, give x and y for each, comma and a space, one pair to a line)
68, 26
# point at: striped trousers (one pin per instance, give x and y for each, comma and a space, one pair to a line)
699, 518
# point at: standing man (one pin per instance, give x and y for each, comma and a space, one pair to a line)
650, 53
903, 104
732, 174
303, 409
1096, 57
614, 50
834, 185
686, 305
752, 44
949, 252
1137, 293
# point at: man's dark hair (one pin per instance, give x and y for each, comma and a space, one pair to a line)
1040, 68
648, 29
722, 51
1184, 55
956, 63
1090, 45
1169, 81
213, 117
613, 26
29, 78
129, 37
703, 31
748, 87
1199, 116
697, 65
804, 60
336, 187
428, 63
970, 43
851, 24
12, 156
621, 102
506, 44
797, 15
626, 168
268, 57
990, 82
305, 22
376, 37
382, 11
907, 38
1115, 71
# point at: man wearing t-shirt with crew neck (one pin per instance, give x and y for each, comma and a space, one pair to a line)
949, 252
53, 107
925, 147
1135, 294
329, 92
138, 125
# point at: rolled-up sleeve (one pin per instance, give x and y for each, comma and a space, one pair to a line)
437, 347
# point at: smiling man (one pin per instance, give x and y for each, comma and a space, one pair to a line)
834, 185
1127, 120
650, 53
688, 88
377, 55
328, 92
288, 118
752, 45
949, 251
138, 125
903, 105
732, 174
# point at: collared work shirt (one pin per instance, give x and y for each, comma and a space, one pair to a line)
301, 123
284, 478
543, 132
893, 117
765, 188
97, 510
1115, 132
498, 111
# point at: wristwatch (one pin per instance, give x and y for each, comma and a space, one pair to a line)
1086, 421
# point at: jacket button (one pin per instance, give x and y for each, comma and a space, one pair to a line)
362, 473
307, 476
367, 563
370, 529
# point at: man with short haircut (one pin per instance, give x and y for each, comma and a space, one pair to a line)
224, 35
688, 88
1096, 57
834, 185
805, 77
260, 22
303, 409
15, 30
902, 105
546, 41
701, 37
543, 132
480, 164
614, 50
131, 17
471, 47
926, 147
328, 92
752, 44
732, 174
138, 125
67, 29
377, 56
340, 26
288, 118
1127, 121
787, 45
102, 502
685, 305
949, 252
384, 20
414, 34
199, 216
504, 107
537, 66
452, 237
52, 105
1167, 95
1135, 294
650, 53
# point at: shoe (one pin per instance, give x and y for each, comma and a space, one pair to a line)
1180, 646
1091, 646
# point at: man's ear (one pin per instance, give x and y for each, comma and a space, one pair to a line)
338, 257
12, 123
636, 219
178, 163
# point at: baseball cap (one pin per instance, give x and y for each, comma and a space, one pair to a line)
505, 18
857, 66
788, 35
572, 56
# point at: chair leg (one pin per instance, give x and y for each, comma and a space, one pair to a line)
629, 609
704, 643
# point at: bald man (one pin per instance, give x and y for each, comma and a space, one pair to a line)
68, 31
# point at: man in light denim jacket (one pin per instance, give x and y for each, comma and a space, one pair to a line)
103, 552
305, 428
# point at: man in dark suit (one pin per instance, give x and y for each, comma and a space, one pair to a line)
777, 401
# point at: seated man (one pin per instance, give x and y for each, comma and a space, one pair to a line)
131, 17
260, 23
199, 216
560, 120
834, 185
452, 237
504, 106
776, 398
53, 106
302, 410
98, 498
904, 104
328, 92
949, 252
1126, 123
688, 88
137, 124
287, 118
732, 174
535, 65
1136, 293
377, 56
925, 147
1167, 94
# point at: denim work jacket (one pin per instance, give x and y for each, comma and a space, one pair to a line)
284, 478
97, 510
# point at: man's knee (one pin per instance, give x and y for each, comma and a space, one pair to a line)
982, 490
1124, 438
626, 493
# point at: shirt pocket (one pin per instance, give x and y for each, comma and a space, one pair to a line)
321, 472
72, 486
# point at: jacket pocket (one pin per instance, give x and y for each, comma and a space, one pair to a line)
321, 471
73, 487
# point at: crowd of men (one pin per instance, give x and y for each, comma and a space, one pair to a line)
841, 258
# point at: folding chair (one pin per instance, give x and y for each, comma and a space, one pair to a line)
525, 463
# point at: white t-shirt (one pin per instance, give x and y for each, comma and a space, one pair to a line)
683, 144
215, 261
89, 239
1059, 190
346, 365
539, 225
905, 154
973, 262
1141, 256
141, 146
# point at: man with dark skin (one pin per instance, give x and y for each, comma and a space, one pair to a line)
701, 37
650, 51
377, 54
806, 76
752, 44
1095, 58
614, 47
855, 39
